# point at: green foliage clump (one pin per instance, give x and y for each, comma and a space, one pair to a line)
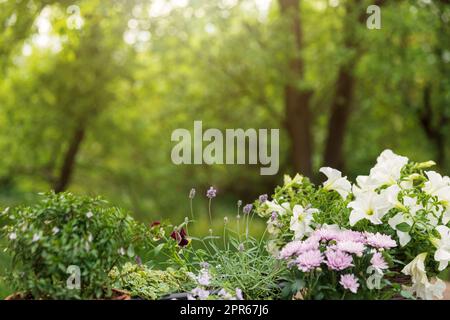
146, 283
248, 266
235, 259
65, 230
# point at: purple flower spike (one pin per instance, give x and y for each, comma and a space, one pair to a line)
211, 193
273, 216
263, 198
248, 208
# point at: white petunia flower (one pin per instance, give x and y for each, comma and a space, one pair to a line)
421, 287
336, 182
442, 254
89, 215
273, 206
12, 236
55, 230
413, 205
368, 205
364, 183
388, 168
301, 221
390, 195
446, 216
416, 268
438, 186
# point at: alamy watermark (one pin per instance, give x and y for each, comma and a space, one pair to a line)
74, 280
374, 20
236, 146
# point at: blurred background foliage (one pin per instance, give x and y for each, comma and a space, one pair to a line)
90, 92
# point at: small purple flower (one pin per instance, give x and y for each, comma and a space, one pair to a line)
263, 198
204, 278
211, 193
239, 294
349, 282
247, 208
192, 193
199, 293
273, 216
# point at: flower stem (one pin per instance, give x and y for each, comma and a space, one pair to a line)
209, 211
192, 210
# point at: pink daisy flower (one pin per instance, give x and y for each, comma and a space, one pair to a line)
378, 262
351, 247
350, 235
378, 240
338, 260
309, 260
326, 234
349, 282
295, 248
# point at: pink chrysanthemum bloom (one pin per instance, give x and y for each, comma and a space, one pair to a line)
326, 234
338, 260
295, 248
350, 235
309, 260
349, 282
290, 249
378, 240
351, 247
378, 262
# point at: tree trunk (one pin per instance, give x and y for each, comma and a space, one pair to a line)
433, 132
298, 118
345, 87
69, 159
337, 125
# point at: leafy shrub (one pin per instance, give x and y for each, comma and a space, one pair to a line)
146, 283
65, 230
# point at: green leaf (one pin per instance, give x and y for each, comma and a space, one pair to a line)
403, 227
407, 295
158, 249
130, 251
298, 285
